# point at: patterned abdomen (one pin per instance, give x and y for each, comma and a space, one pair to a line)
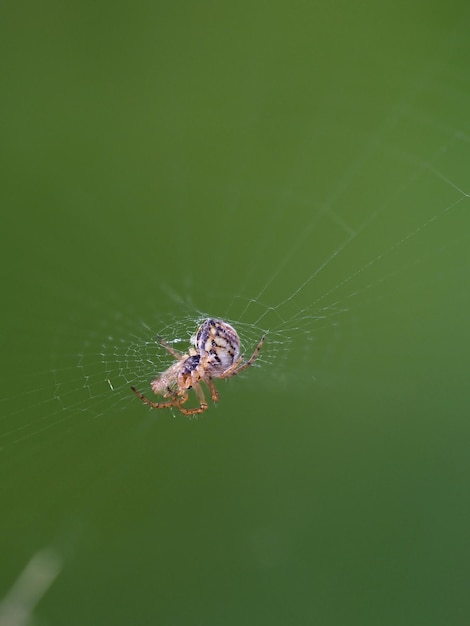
220, 341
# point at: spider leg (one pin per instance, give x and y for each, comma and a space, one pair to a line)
236, 368
174, 353
155, 405
214, 393
199, 391
198, 409
177, 402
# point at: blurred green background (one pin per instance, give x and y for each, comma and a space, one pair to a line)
301, 168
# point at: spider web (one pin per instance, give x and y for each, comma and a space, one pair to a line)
349, 249
390, 229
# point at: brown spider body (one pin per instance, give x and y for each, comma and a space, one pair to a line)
215, 353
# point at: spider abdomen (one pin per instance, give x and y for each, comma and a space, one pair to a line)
220, 342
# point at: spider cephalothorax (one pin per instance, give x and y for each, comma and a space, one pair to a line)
214, 353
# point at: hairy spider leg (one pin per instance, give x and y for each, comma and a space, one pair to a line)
154, 405
177, 401
175, 353
214, 393
199, 391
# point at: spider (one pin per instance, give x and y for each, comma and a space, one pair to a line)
214, 353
